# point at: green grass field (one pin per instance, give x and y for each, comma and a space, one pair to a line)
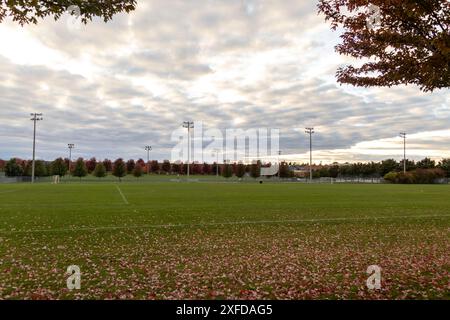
208, 240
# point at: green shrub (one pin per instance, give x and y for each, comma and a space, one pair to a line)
418, 176
428, 176
405, 178
391, 177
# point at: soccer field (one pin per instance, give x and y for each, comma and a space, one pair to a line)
207, 240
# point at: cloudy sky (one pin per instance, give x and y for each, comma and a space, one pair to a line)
113, 88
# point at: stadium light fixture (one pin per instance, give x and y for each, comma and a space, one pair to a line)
310, 131
35, 118
189, 125
403, 135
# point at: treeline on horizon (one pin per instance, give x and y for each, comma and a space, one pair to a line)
423, 171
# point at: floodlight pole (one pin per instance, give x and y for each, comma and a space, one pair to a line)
189, 125
403, 135
70, 146
310, 131
35, 117
217, 161
148, 149
279, 164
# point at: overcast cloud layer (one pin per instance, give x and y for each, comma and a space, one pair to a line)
113, 88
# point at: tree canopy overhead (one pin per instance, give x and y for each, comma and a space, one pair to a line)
30, 11
409, 43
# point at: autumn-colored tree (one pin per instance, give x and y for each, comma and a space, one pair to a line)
80, 169
333, 170
255, 170
285, 172
166, 166
13, 169
2, 165
404, 41
137, 170
119, 169
130, 165
68, 164
240, 170
40, 168
177, 168
27, 167
58, 167
227, 171
91, 164
30, 11
108, 165
215, 168
100, 170
197, 168
154, 166
207, 168
141, 162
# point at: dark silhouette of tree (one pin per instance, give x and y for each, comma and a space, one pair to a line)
119, 169
206, 168
13, 169
138, 171
30, 11
68, 164
227, 171
166, 166
387, 166
215, 167
240, 170
108, 165
409, 42
130, 165
91, 164
80, 169
59, 167
255, 170
333, 170
426, 163
154, 166
445, 166
410, 165
197, 168
40, 168
177, 168
100, 170
285, 172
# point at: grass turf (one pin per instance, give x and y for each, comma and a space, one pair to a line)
206, 240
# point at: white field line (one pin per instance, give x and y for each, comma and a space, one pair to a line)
8, 191
123, 196
226, 223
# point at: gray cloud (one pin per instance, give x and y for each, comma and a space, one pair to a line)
113, 88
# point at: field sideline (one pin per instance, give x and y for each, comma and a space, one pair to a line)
168, 240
